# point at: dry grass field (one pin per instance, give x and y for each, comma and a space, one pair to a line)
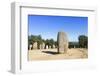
51, 54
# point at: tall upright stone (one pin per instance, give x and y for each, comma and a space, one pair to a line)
35, 45
62, 41
43, 45
30, 47
47, 47
53, 46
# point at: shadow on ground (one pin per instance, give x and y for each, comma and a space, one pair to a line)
50, 52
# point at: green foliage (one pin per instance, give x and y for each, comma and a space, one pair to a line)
83, 41
73, 45
50, 42
33, 38
30, 41
55, 43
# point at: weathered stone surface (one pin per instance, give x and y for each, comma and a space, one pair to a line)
46, 46
62, 41
35, 45
53, 46
43, 45
49, 47
30, 47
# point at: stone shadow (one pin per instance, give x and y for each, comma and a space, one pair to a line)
50, 52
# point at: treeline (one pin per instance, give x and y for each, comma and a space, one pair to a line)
82, 42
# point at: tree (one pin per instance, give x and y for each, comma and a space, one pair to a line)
51, 43
73, 45
34, 38
29, 40
83, 41
47, 43
39, 41
55, 43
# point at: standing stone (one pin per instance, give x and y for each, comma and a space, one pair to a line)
43, 45
40, 47
35, 45
62, 41
49, 47
30, 47
46, 46
53, 46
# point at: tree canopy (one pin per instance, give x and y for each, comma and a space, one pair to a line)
83, 41
37, 38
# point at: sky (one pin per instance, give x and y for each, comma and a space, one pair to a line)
49, 26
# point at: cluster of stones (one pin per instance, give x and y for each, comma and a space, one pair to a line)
62, 41
42, 46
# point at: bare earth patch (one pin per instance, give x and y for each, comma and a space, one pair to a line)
51, 54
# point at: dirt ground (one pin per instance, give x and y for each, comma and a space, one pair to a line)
51, 54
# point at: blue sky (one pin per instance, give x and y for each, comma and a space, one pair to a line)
49, 26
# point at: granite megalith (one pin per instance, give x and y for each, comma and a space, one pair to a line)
35, 45
62, 42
